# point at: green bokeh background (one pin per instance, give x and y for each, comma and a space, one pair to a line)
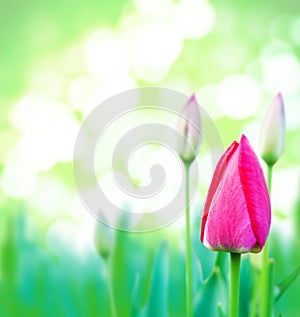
58, 60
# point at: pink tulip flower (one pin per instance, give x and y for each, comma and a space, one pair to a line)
237, 212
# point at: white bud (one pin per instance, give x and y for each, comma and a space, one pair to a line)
272, 138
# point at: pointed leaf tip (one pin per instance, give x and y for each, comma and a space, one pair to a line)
285, 284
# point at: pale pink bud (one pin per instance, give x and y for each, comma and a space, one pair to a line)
189, 126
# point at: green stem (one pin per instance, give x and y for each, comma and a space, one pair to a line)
271, 286
189, 290
234, 284
265, 294
110, 291
269, 178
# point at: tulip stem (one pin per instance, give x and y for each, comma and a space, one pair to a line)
265, 309
234, 284
269, 178
189, 300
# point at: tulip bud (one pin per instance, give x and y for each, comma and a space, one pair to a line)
272, 139
189, 126
104, 239
237, 211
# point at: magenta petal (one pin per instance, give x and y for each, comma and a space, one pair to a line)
216, 180
228, 225
255, 192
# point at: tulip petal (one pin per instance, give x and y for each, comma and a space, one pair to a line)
255, 192
228, 225
216, 180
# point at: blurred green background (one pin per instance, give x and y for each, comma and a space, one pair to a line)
58, 60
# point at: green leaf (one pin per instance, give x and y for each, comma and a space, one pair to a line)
176, 285
220, 310
123, 272
255, 294
136, 312
271, 286
158, 302
197, 274
211, 294
286, 283
223, 264
246, 286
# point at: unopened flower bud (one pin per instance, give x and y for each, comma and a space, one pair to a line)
272, 139
237, 211
104, 239
189, 126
